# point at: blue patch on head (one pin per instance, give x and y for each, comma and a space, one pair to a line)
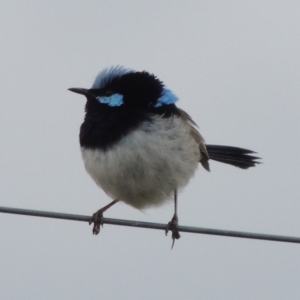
108, 74
113, 100
167, 97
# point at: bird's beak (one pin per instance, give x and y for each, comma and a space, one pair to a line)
81, 91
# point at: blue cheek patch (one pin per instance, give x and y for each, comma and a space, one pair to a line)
167, 97
113, 100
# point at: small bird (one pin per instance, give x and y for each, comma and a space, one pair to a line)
139, 147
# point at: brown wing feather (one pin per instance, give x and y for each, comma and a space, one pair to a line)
197, 137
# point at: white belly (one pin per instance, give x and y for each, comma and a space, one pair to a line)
144, 168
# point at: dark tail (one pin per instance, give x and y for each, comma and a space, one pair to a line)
238, 157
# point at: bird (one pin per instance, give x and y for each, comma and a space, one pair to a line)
139, 147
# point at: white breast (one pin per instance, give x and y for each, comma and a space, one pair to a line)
144, 168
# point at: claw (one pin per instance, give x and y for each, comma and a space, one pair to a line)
97, 219
172, 226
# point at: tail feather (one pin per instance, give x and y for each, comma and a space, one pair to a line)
235, 156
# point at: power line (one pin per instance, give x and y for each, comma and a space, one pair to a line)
230, 233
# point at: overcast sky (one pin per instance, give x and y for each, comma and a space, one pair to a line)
235, 66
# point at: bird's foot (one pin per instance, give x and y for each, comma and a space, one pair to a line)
172, 226
97, 219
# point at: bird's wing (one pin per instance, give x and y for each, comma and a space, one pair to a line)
197, 137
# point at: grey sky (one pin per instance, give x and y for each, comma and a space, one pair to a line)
235, 67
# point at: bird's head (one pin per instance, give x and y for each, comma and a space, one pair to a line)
121, 87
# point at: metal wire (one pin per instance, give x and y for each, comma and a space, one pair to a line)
238, 234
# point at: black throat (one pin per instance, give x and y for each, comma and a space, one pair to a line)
104, 126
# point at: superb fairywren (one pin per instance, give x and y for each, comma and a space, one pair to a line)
139, 147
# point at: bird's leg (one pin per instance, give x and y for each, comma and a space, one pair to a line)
97, 217
172, 225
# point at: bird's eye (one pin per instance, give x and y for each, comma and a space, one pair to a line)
108, 93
